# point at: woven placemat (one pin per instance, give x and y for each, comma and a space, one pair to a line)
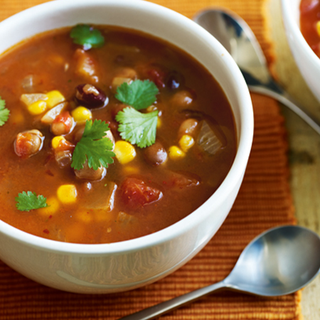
264, 201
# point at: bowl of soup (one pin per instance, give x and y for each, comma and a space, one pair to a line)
302, 26
126, 130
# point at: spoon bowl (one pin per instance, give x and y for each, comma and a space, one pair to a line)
280, 261
239, 40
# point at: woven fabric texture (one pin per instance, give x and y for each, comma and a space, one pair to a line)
264, 201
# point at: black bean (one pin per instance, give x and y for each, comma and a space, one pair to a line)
174, 80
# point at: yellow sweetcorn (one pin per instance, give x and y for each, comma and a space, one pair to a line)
81, 114
125, 152
56, 141
131, 170
176, 153
16, 117
67, 193
37, 107
186, 142
85, 216
53, 206
54, 97
159, 122
318, 28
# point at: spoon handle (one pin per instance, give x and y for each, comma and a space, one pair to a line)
166, 306
288, 101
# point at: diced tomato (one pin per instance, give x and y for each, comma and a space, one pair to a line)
136, 193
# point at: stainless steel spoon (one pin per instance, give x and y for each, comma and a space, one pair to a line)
280, 261
238, 39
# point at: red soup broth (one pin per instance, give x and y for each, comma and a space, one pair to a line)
310, 23
145, 189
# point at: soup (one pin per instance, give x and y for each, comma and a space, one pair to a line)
107, 134
310, 23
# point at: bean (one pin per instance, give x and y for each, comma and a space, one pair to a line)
62, 124
91, 96
188, 126
156, 154
182, 98
174, 80
28, 143
90, 174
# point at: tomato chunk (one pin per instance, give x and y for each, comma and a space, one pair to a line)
136, 193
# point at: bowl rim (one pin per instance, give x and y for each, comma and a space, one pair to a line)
245, 136
293, 23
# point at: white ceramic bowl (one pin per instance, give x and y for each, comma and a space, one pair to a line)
107, 268
307, 61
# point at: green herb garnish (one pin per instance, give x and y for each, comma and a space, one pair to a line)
4, 112
93, 146
138, 94
87, 36
27, 201
136, 127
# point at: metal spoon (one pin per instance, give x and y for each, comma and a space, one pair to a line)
237, 37
280, 261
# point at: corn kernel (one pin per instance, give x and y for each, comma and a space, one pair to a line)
37, 107
56, 141
67, 193
176, 153
53, 206
125, 152
318, 28
54, 98
152, 108
16, 117
159, 122
81, 114
131, 170
186, 142
85, 216
101, 215
56, 59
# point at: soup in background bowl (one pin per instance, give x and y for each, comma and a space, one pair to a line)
165, 181
306, 59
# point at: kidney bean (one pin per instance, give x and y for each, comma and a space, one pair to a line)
91, 96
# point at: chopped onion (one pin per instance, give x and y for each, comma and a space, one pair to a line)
27, 83
208, 140
106, 202
29, 98
49, 117
124, 218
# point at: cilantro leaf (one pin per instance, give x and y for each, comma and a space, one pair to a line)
93, 146
138, 94
4, 112
136, 127
87, 36
27, 201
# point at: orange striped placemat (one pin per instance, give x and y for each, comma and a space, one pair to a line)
264, 201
